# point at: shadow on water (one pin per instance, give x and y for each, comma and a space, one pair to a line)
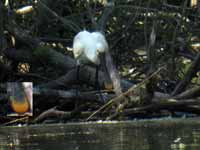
136, 135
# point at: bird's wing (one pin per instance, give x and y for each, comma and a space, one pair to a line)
80, 43
78, 47
92, 55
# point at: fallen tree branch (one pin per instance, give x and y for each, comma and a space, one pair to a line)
188, 105
72, 94
190, 93
70, 78
164, 104
53, 112
188, 76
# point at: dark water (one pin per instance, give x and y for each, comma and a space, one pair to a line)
137, 135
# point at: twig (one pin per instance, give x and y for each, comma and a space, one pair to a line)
53, 112
16, 120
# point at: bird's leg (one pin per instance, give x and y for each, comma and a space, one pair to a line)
97, 85
78, 82
97, 78
77, 72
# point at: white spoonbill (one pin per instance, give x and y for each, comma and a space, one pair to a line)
88, 47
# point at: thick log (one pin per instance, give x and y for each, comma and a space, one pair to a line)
71, 95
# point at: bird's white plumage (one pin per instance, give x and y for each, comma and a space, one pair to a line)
87, 46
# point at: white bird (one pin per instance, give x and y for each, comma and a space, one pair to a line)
88, 46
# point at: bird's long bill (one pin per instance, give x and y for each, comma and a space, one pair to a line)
113, 73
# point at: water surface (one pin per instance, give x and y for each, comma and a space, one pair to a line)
136, 135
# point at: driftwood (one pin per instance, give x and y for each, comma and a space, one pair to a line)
53, 112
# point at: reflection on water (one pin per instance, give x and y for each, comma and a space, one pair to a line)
136, 135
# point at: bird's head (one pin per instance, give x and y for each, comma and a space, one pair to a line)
100, 48
100, 42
